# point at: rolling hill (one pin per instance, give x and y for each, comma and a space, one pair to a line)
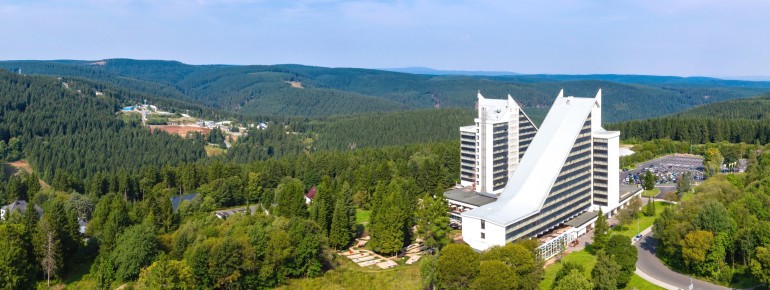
740, 120
754, 108
306, 91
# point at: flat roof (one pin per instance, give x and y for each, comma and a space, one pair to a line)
626, 188
582, 219
466, 195
469, 128
606, 134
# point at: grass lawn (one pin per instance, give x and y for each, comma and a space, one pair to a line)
687, 196
641, 284
581, 257
362, 216
350, 276
651, 193
587, 260
643, 221
212, 150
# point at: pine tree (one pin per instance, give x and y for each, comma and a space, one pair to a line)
433, 222
389, 225
605, 272
601, 230
340, 234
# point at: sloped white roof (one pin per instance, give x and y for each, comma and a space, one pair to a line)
526, 191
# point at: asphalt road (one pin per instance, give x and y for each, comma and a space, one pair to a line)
650, 265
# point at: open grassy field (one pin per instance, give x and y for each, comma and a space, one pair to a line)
362, 216
212, 150
350, 276
17, 167
180, 130
650, 193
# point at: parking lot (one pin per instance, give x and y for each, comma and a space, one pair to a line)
667, 169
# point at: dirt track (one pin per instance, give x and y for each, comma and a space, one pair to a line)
180, 130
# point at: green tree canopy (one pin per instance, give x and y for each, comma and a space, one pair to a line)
574, 280
16, 269
605, 273
494, 275
458, 266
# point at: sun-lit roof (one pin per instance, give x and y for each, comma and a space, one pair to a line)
528, 188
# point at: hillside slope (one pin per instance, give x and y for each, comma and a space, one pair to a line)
741, 120
754, 108
306, 91
71, 132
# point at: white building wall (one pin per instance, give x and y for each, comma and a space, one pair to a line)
513, 136
613, 167
494, 235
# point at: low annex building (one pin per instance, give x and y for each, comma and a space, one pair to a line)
569, 171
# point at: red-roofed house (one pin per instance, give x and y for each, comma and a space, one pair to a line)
310, 195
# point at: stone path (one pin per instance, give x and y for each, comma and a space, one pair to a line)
366, 258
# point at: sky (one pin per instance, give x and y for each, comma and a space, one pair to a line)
659, 37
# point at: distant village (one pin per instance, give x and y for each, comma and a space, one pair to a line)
182, 123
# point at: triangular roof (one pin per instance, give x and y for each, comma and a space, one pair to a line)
311, 193
529, 186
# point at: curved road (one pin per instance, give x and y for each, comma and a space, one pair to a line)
654, 271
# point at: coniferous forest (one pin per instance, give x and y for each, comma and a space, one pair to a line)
104, 182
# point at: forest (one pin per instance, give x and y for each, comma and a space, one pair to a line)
721, 231
133, 231
103, 184
115, 178
306, 91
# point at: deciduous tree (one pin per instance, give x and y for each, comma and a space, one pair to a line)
458, 266
574, 280
494, 275
695, 245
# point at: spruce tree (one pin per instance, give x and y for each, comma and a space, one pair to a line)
601, 230
433, 222
605, 273
340, 234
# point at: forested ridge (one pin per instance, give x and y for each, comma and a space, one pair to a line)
72, 132
754, 108
318, 91
118, 177
742, 120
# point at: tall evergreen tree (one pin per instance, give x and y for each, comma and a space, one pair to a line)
388, 230
605, 272
601, 232
433, 222
16, 271
340, 233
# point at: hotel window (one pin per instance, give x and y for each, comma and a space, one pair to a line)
482, 224
482, 236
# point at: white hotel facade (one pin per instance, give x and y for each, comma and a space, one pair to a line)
557, 176
490, 149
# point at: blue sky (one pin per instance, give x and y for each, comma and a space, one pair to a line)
663, 37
